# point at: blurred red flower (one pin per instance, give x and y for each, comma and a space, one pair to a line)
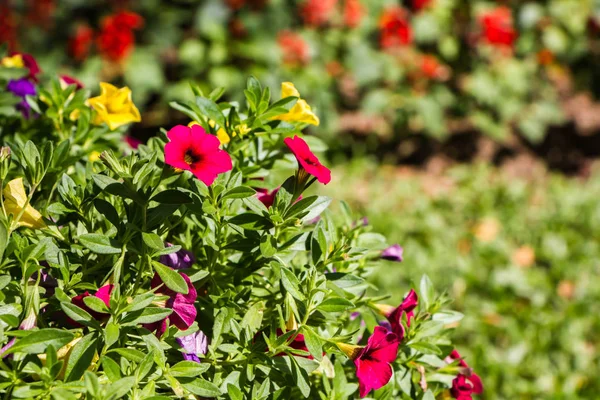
294, 49
317, 12
421, 4
497, 27
8, 27
395, 28
431, 68
116, 39
40, 12
353, 13
81, 42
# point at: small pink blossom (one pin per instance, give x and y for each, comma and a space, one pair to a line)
373, 368
307, 160
192, 149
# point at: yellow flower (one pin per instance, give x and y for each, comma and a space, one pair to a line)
15, 199
221, 133
301, 112
94, 156
114, 106
15, 61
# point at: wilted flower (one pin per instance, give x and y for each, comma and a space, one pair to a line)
307, 161
372, 362
81, 42
294, 49
116, 38
497, 26
114, 106
15, 200
467, 382
22, 88
301, 111
192, 149
184, 311
193, 345
395, 28
394, 315
393, 253
182, 259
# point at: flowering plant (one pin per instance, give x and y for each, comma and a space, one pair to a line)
161, 273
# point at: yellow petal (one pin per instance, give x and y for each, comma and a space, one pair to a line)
223, 136
301, 111
114, 106
15, 61
15, 199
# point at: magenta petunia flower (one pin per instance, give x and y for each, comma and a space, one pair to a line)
192, 149
467, 382
307, 160
134, 143
181, 259
103, 293
266, 197
194, 346
394, 315
373, 368
298, 343
393, 253
184, 311
27, 324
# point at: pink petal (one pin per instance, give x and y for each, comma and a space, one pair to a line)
382, 345
180, 134
104, 294
184, 315
371, 375
219, 161
476, 382
205, 175
202, 142
175, 155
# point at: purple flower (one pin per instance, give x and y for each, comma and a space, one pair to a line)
181, 259
21, 88
393, 253
193, 346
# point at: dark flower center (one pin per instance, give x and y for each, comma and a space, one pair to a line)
311, 161
191, 158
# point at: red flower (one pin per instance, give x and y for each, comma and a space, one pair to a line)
497, 26
467, 382
395, 29
298, 344
353, 13
184, 311
268, 198
394, 315
8, 26
307, 160
116, 39
421, 4
81, 42
373, 368
66, 80
103, 294
317, 12
431, 68
40, 12
294, 50
192, 149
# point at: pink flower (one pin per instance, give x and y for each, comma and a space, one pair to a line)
192, 149
184, 311
467, 382
393, 253
268, 198
394, 315
307, 160
133, 142
317, 12
103, 294
66, 80
194, 345
395, 28
373, 368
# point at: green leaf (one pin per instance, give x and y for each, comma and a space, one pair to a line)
111, 369
428, 395
201, 387
111, 334
37, 341
300, 376
211, 110
76, 313
291, 284
130, 354
147, 316
239, 192
188, 369
100, 244
426, 291
335, 304
234, 392
95, 304
153, 241
81, 357
171, 278
268, 246
120, 388
251, 221
313, 342
172, 196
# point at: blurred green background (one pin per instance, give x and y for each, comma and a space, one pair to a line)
464, 130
